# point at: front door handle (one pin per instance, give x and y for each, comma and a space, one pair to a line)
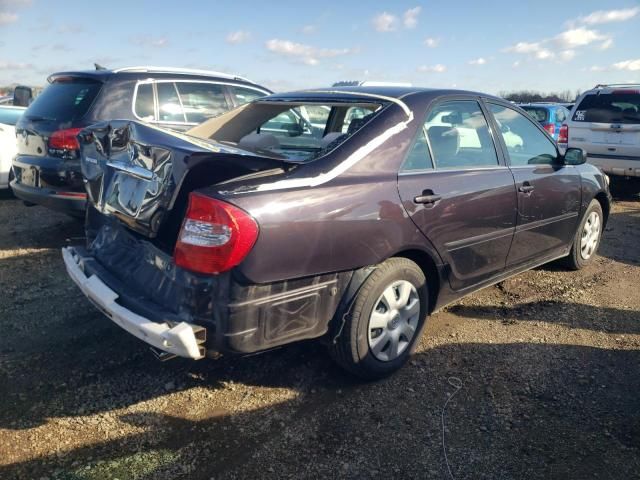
526, 187
427, 197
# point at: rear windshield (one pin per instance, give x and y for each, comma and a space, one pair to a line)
539, 114
65, 100
295, 131
609, 108
10, 116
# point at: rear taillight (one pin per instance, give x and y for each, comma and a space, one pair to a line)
65, 139
215, 236
550, 127
563, 136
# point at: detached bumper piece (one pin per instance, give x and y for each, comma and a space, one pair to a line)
181, 339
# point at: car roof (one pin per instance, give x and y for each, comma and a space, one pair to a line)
103, 75
395, 92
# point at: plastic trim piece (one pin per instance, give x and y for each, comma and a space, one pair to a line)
183, 339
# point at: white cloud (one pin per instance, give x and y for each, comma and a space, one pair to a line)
431, 42
567, 55
596, 68
578, 37
410, 17
239, 36
607, 16
147, 41
305, 53
534, 49
606, 45
630, 65
14, 66
7, 18
516, 64
309, 29
438, 68
478, 61
14, 3
385, 22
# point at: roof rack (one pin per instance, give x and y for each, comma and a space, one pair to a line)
186, 71
605, 85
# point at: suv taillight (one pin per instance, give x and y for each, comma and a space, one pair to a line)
65, 139
215, 236
550, 127
563, 136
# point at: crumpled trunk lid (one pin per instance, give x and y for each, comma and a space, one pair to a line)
134, 171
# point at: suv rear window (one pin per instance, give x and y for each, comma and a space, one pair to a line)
609, 108
539, 114
65, 100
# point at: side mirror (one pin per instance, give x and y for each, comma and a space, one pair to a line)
575, 156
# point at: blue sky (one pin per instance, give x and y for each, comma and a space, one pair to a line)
501, 45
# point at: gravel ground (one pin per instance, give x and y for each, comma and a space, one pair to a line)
548, 364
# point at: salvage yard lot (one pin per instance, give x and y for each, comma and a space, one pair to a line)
549, 363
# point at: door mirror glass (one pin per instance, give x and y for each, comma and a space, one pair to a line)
575, 156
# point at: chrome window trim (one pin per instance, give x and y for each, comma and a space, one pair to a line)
155, 81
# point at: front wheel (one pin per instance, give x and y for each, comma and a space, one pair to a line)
587, 238
384, 322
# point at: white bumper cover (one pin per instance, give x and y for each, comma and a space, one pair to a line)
179, 340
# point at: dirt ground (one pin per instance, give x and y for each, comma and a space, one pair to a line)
549, 365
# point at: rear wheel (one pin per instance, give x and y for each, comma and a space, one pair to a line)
587, 239
385, 322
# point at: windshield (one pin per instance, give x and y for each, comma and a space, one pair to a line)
10, 116
609, 108
295, 131
539, 114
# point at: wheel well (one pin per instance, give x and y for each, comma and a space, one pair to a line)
604, 203
428, 267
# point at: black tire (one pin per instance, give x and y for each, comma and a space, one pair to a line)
575, 260
351, 349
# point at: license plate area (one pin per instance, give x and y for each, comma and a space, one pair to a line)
30, 177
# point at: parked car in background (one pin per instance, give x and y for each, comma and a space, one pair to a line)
232, 239
550, 115
606, 124
8, 117
47, 167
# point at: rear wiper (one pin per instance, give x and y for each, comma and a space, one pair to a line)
38, 118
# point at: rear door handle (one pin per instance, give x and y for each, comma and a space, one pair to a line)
526, 187
427, 197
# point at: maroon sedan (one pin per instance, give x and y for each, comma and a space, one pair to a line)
347, 214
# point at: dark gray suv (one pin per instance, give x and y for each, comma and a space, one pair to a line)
47, 167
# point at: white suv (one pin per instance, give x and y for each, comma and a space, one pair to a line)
606, 123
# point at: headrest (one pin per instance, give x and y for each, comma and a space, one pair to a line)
259, 141
330, 137
444, 141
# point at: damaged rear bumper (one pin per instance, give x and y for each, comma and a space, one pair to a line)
182, 339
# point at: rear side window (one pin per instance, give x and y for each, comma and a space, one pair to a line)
201, 101
245, 95
609, 108
169, 106
561, 115
537, 113
144, 102
65, 101
419, 157
459, 136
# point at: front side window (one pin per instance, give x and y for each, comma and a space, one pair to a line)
525, 143
202, 101
169, 106
459, 136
